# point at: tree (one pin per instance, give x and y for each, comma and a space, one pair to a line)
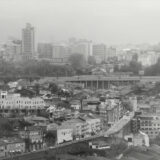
23, 124
43, 114
153, 70
127, 106
64, 104
117, 149
91, 60
31, 69
6, 128
27, 143
133, 67
53, 88
77, 61
50, 138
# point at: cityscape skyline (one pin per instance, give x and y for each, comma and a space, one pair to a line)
111, 22
79, 79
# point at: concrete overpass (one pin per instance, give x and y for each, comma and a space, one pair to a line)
104, 82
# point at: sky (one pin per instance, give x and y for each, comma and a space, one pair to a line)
102, 21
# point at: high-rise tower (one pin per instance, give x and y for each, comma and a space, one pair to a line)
28, 42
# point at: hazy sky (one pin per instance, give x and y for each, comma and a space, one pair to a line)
109, 21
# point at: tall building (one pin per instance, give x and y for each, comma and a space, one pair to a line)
111, 52
12, 50
45, 50
148, 58
99, 52
28, 42
58, 51
81, 46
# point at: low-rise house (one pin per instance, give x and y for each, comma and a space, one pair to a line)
91, 104
80, 127
99, 71
44, 92
12, 84
94, 124
139, 139
63, 113
76, 104
21, 83
110, 111
99, 145
2, 150
36, 119
11, 146
34, 138
52, 126
133, 102
47, 97
63, 133
144, 108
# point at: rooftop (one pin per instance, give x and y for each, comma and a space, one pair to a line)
10, 140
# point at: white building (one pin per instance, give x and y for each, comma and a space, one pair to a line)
94, 124
80, 128
83, 126
148, 58
63, 133
139, 139
150, 124
15, 101
76, 105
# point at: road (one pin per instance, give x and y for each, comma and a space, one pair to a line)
110, 78
120, 124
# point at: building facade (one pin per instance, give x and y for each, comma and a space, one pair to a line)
150, 124
80, 128
10, 147
14, 102
34, 138
45, 50
12, 50
28, 42
64, 135
99, 52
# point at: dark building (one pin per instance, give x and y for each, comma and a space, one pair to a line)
135, 125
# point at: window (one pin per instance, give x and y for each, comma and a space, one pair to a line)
129, 139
